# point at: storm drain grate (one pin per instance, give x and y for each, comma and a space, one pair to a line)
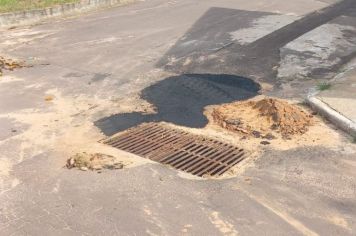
194, 154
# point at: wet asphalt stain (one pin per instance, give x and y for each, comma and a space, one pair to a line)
95, 78
257, 60
73, 75
181, 100
9, 128
98, 77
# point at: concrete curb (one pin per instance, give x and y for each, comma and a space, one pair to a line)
32, 16
332, 115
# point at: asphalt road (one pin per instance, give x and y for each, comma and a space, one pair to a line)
95, 66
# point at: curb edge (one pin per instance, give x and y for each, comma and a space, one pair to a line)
332, 115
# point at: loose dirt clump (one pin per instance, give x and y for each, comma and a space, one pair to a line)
263, 118
96, 161
9, 64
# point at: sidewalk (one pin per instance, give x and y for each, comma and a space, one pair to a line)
29, 16
338, 103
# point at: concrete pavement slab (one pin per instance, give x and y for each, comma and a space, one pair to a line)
338, 103
342, 95
320, 52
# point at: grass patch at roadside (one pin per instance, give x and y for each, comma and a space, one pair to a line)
323, 86
20, 5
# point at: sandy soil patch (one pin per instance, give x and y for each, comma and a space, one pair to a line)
94, 161
313, 130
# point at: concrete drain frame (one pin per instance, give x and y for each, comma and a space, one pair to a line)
194, 154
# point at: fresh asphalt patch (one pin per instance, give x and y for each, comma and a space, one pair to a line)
181, 100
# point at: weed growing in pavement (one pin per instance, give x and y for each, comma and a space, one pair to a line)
323, 86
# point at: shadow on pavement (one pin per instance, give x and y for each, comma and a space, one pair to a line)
207, 47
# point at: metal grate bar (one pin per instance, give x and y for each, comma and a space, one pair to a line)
191, 153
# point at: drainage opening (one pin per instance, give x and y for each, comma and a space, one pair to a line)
190, 153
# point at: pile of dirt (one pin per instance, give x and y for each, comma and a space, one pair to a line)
96, 161
9, 64
263, 118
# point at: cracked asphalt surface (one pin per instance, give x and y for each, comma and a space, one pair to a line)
95, 66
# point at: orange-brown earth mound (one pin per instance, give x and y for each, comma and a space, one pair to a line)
263, 118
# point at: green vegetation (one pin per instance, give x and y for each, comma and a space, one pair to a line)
303, 103
353, 140
19, 5
323, 86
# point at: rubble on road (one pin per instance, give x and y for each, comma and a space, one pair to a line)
9, 64
263, 118
97, 161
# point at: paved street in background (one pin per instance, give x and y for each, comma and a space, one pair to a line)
88, 68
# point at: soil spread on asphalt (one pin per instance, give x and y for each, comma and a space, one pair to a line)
9, 64
263, 118
93, 161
